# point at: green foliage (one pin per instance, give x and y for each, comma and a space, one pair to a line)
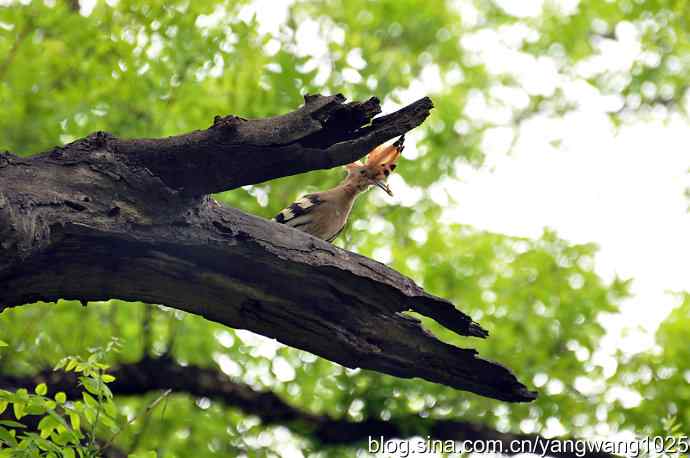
67, 428
157, 68
60, 431
661, 377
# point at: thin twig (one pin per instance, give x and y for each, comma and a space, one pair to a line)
149, 408
137, 437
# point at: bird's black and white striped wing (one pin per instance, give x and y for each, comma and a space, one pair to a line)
298, 213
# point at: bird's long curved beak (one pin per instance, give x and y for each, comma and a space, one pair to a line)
384, 186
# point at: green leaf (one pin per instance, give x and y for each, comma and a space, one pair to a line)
67, 453
19, 409
62, 438
110, 408
91, 385
12, 424
35, 407
44, 428
105, 391
90, 415
3, 406
61, 397
60, 364
41, 389
71, 365
107, 378
90, 401
109, 422
4, 344
75, 420
7, 437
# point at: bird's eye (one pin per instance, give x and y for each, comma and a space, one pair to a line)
362, 172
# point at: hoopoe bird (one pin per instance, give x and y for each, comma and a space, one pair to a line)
324, 214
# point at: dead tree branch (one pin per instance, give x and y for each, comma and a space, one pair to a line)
105, 218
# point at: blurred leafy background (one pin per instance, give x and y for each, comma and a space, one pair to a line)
159, 68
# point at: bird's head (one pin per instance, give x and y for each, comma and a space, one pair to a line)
381, 162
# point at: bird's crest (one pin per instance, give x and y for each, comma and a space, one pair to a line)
384, 155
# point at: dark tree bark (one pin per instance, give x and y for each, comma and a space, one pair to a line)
150, 375
105, 218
